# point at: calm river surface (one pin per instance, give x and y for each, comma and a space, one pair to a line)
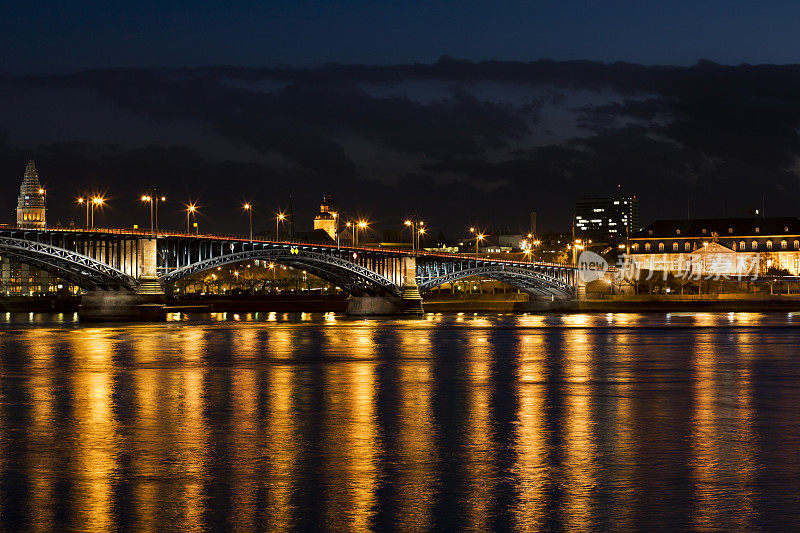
474, 422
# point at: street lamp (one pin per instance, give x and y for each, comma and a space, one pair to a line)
190, 210
351, 225
362, 225
278, 219
81, 201
416, 230
44, 202
249, 208
97, 202
478, 238
153, 200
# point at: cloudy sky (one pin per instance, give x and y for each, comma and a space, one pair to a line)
464, 113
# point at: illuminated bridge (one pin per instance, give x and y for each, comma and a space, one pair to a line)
123, 272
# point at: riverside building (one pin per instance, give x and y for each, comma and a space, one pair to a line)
724, 246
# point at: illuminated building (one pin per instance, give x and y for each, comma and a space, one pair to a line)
30, 204
719, 245
605, 220
326, 218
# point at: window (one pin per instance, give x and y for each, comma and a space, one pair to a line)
734, 246
730, 230
754, 245
769, 245
786, 229
647, 247
742, 245
705, 231
661, 247
796, 245
674, 246
649, 232
636, 247
677, 232
687, 246
784, 245
758, 230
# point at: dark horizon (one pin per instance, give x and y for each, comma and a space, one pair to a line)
455, 142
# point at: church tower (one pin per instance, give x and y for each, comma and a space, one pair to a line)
326, 218
30, 204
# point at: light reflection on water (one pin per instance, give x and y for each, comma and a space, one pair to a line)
281, 421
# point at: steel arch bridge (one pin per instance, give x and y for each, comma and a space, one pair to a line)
349, 276
537, 279
121, 259
79, 269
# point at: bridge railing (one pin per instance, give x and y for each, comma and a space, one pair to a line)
246, 238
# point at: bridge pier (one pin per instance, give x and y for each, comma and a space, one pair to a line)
122, 306
145, 304
409, 302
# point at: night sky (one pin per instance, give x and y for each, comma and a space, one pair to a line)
464, 113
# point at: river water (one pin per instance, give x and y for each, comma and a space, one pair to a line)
450, 422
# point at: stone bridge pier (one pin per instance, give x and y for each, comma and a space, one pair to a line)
408, 302
146, 303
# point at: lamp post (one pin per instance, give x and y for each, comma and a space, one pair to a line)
97, 202
336, 227
362, 225
190, 210
153, 198
249, 208
478, 238
81, 201
278, 219
416, 227
351, 225
43, 192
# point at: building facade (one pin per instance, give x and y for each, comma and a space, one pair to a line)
326, 219
733, 246
31, 201
606, 220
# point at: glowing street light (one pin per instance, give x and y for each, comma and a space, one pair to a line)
191, 209
281, 216
81, 201
43, 193
478, 238
97, 202
249, 208
153, 200
362, 225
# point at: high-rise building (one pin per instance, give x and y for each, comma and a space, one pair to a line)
326, 218
605, 220
30, 204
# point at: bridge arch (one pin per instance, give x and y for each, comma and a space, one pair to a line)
529, 281
76, 268
351, 277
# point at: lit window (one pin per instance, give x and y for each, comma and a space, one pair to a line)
661, 247
734, 246
674, 246
647, 247
754, 245
742, 245
796, 245
705, 231
784, 245
678, 232
687, 246
758, 230
769, 245
730, 230
636, 247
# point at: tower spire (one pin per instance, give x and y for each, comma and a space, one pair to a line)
30, 204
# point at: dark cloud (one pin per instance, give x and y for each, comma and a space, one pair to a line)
476, 148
